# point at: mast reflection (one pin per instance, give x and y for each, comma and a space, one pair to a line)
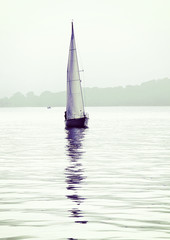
74, 172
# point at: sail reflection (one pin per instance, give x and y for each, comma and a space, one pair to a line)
75, 172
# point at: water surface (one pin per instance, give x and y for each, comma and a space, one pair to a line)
110, 181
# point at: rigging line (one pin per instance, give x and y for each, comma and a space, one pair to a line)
84, 91
82, 78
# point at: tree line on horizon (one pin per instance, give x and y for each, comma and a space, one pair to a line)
151, 93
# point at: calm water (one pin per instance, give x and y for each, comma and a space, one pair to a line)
110, 181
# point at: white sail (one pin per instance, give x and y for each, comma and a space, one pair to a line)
75, 106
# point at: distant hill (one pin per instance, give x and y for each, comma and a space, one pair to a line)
151, 93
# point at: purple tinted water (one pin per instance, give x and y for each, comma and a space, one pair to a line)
110, 181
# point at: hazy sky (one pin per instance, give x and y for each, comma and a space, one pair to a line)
119, 42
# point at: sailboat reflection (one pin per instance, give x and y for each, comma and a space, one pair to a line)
74, 172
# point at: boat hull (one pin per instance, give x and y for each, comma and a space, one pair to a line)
77, 122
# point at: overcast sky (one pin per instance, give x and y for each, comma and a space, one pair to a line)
119, 42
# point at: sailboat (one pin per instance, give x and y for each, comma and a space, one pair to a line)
75, 114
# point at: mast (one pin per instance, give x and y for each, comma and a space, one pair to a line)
75, 106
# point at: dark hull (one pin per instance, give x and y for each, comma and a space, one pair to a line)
78, 123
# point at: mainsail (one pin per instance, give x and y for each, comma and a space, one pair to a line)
75, 106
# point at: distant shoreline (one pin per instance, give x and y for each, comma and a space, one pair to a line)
148, 106
151, 93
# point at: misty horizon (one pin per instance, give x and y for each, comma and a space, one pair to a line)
150, 93
38, 93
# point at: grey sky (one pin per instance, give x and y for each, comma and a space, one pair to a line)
120, 42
